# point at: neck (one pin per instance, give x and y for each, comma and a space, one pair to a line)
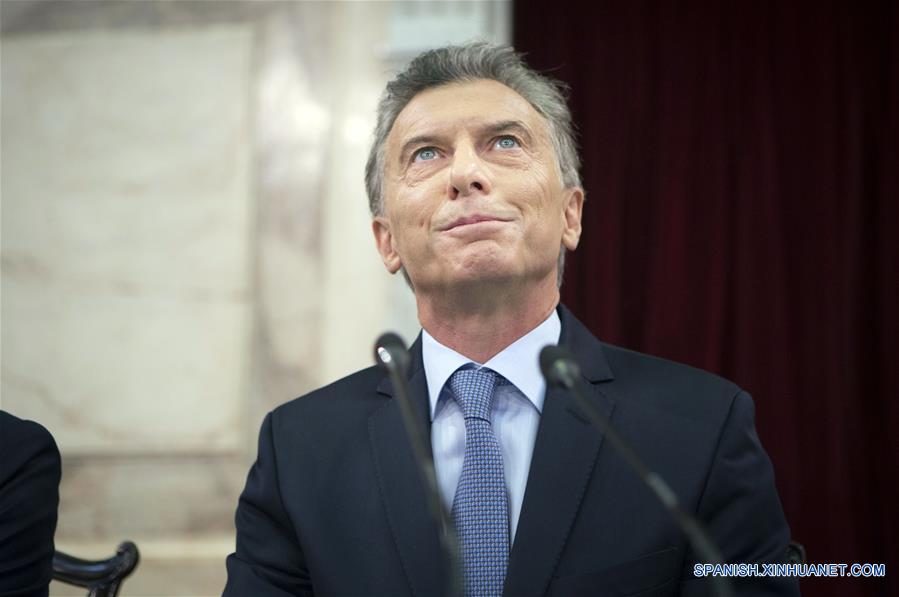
480, 323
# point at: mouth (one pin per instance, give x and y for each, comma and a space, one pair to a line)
473, 219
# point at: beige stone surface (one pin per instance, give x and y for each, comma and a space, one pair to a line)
126, 237
149, 497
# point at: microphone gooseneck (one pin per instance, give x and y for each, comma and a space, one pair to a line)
560, 370
391, 354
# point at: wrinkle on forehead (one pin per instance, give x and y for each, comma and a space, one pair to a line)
441, 110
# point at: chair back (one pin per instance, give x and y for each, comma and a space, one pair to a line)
796, 553
102, 578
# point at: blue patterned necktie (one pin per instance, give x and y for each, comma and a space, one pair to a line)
481, 507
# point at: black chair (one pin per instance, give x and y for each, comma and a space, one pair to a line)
796, 553
102, 578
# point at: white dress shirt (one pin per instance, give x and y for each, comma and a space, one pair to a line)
515, 416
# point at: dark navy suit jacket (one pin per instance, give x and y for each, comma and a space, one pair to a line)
29, 498
334, 504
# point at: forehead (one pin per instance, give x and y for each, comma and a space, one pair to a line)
457, 105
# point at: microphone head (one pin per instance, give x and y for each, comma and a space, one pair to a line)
558, 366
391, 353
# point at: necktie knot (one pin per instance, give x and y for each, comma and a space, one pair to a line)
473, 391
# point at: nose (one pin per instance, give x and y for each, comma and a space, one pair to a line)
468, 175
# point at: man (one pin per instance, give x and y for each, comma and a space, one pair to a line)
473, 185
29, 498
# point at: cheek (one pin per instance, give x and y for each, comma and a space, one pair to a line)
418, 215
413, 219
543, 202
544, 211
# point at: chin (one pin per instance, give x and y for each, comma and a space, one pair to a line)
486, 270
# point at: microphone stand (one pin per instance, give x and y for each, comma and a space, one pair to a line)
391, 355
560, 370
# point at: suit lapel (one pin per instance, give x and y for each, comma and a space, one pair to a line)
564, 456
402, 492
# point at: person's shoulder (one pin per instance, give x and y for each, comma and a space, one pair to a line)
353, 394
667, 384
23, 435
22, 442
635, 365
326, 420
16, 429
637, 373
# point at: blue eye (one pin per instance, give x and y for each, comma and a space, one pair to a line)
425, 154
507, 142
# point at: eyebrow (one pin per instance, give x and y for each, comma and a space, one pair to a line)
490, 128
507, 126
428, 139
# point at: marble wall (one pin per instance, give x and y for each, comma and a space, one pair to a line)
186, 244
126, 253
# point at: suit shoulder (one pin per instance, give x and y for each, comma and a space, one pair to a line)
311, 430
23, 435
25, 443
668, 385
15, 429
355, 391
630, 363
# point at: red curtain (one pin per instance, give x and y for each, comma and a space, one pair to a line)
740, 161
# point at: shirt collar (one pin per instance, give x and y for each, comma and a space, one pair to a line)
519, 362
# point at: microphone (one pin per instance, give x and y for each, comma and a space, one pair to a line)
391, 354
560, 370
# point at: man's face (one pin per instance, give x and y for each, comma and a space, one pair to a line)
473, 191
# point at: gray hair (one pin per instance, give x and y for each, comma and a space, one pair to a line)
470, 62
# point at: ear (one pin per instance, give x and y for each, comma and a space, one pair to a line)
384, 242
572, 206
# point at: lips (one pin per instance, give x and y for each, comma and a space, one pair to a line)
473, 219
